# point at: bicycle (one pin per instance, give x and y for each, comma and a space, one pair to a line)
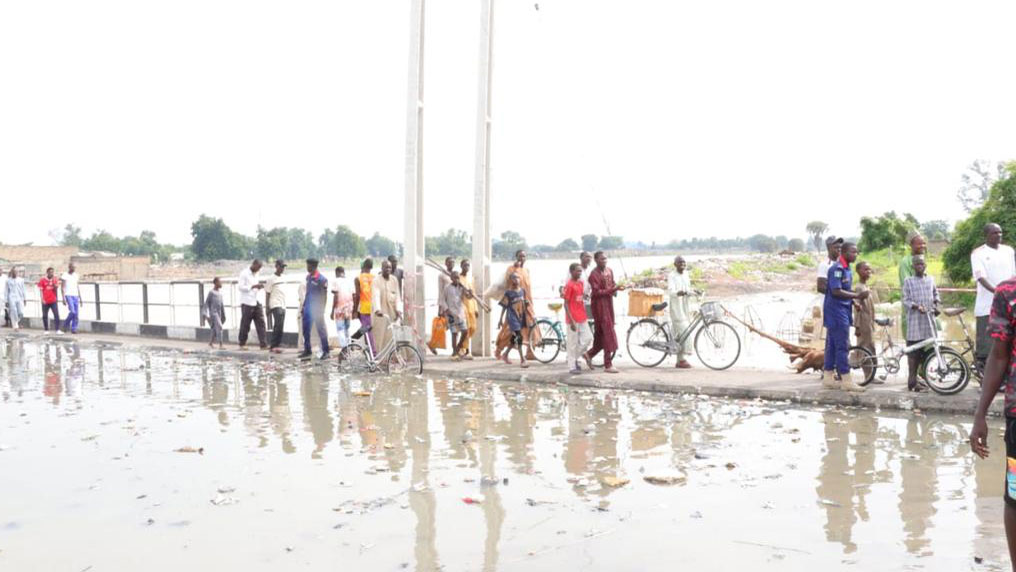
399, 356
976, 367
716, 344
946, 372
552, 337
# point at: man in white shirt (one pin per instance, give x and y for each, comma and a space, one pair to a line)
69, 287
678, 290
276, 299
586, 261
833, 245
250, 307
990, 263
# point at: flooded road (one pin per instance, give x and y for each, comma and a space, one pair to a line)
119, 459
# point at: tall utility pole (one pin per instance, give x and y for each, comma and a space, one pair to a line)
481, 197
413, 230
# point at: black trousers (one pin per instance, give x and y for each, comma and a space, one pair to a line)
278, 320
257, 315
55, 308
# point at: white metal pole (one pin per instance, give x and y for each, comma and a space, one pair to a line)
413, 242
481, 197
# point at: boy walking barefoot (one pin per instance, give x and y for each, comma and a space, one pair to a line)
579, 335
513, 307
215, 312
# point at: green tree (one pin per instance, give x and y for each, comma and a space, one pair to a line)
509, 243
589, 242
347, 244
452, 242
762, 243
567, 245
888, 230
380, 246
936, 230
70, 236
611, 243
270, 243
795, 244
542, 248
102, 241
213, 240
999, 208
817, 230
976, 183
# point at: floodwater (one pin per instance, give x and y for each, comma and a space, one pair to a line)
301, 468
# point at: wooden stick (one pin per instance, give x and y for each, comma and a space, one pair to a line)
469, 292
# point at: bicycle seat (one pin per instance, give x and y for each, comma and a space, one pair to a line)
363, 330
659, 307
884, 321
953, 311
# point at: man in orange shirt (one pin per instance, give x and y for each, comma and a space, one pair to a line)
363, 292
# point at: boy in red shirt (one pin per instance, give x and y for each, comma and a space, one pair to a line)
579, 335
48, 286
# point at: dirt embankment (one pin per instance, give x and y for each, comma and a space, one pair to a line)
748, 274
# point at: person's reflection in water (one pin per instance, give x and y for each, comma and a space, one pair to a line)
522, 405
838, 480
215, 389
453, 417
422, 500
918, 485
493, 508
18, 373
314, 392
281, 416
253, 403
75, 378
52, 369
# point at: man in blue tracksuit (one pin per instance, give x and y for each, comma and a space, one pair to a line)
313, 312
838, 317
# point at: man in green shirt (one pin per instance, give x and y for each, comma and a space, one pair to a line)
917, 248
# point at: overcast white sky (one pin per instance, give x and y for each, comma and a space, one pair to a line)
673, 118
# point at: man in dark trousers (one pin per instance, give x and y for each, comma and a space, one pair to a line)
250, 308
837, 316
313, 311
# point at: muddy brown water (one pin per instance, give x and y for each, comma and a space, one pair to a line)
301, 468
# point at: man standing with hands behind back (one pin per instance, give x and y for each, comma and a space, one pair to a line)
991, 264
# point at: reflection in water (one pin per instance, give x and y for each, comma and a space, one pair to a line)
538, 456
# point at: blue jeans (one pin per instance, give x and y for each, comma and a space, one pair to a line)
314, 318
73, 305
342, 329
836, 344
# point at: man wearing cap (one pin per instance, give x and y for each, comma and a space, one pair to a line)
837, 316
276, 305
833, 245
313, 309
991, 263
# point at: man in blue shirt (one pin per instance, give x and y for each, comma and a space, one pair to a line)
313, 311
838, 317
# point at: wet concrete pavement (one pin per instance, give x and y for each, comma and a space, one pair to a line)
302, 468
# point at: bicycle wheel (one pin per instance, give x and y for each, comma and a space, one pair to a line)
648, 343
404, 360
550, 342
948, 375
353, 359
717, 345
862, 359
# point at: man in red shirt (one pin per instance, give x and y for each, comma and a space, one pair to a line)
48, 286
579, 336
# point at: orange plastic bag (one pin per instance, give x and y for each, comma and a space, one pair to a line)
438, 328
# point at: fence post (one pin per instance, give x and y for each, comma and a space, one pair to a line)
98, 304
144, 301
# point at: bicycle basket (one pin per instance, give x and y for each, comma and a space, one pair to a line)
711, 311
402, 334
